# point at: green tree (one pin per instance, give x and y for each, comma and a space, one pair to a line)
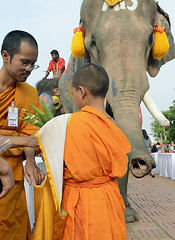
170, 131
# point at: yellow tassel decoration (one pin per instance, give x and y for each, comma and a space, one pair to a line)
78, 48
113, 2
161, 44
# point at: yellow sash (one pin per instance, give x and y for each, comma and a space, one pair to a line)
55, 70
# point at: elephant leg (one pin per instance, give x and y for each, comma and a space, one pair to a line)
130, 214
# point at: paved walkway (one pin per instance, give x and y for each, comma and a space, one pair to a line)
154, 200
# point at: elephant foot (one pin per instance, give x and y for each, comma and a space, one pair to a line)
130, 214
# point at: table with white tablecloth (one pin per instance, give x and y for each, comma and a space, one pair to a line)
165, 164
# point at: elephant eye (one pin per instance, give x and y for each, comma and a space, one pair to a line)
93, 50
151, 39
93, 42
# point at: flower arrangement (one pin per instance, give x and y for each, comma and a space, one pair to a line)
38, 118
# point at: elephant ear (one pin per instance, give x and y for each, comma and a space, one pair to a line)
162, 19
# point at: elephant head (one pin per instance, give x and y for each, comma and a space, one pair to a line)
120, 38
49, 93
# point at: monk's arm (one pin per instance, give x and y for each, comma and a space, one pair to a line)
6, 177
15, 141
31, 170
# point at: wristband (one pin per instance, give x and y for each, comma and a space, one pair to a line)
4, 145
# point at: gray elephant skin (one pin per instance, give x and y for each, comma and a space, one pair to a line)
121, 38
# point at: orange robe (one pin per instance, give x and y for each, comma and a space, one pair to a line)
95, 152
14, 221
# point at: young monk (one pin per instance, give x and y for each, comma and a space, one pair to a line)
95, 152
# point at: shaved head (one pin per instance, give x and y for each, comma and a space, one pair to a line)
93, 77
12, 42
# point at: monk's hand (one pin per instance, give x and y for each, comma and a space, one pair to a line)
33, 172
6, 177
32, 141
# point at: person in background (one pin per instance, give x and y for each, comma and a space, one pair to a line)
159, 147
56, 65
148, 145
154, 149
19, 53
172, 147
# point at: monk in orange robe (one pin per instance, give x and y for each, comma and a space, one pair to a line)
95, 154
19, 52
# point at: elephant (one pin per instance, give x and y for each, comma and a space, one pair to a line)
120, 38
48, 91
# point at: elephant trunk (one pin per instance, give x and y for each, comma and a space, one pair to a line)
128, 120
125, 96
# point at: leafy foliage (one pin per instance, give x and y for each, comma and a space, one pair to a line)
39, 118
170, 131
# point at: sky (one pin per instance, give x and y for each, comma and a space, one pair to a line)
52, 22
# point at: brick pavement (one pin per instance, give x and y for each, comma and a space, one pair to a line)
154, 200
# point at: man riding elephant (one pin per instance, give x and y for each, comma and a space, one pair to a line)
56, 65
